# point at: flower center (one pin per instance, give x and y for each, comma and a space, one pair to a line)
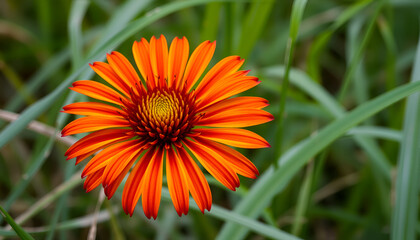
161, 116
161, 107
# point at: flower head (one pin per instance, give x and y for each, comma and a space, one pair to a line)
162, 117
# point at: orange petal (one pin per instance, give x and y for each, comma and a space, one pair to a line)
198, 62
93, 180
177, 182
141, 53
222, 172
151, 186
236, 118
235, 159
224, 68
236, 103
98, 148
132, 188
123, 68
117, 165
159, 59
83, 156
197, 183
232, 85
178, 56
96, 140
234, 137
93, 123
106, 72
92, 109
97, 90
104, 157
113, 186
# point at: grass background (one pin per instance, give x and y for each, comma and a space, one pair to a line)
342, 79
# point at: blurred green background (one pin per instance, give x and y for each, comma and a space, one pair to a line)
344, 162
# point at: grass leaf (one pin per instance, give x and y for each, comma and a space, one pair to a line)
405, 212
18, 229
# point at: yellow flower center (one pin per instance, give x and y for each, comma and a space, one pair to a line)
160, 107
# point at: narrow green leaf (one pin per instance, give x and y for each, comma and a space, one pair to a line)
211, 21
116, 230
405, 3
254, 23
349, 13
120, 17
80, 222
18, 229
34, 83
44, 20
376, 132
49, 198
296, 18
405, 212
320, 42
359, 53
77, 12
37, 163
15, 80
303, 200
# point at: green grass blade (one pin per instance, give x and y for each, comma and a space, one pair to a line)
42, 105
349, 13
320, 43
296, 18
254, 23
405, 3
62, 202
37, 163
211, 21
77, 12
358, 55
360, 90
376, 132
116, 230
405, 212
44, 20
15, 80
121, 17
272, 181
80, 222
34, 83
303, 201
18, 229
49, 198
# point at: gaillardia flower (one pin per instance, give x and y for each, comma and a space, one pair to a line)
168, 115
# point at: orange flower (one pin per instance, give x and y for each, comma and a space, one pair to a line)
160, 118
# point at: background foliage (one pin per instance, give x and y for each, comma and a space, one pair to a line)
345, 160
